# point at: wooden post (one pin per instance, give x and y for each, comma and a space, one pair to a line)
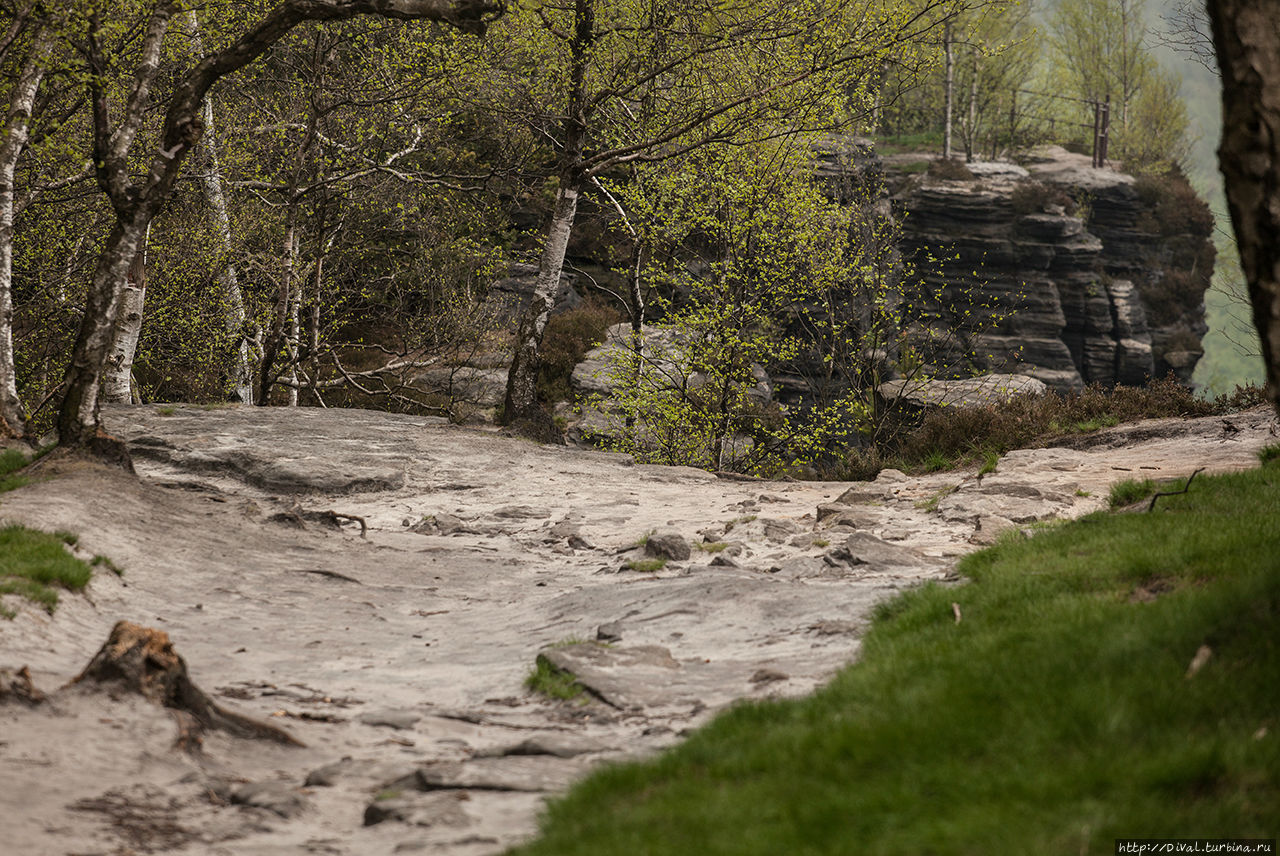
1097, 129
1105, 131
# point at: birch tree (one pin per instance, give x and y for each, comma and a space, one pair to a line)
118, 110
30, 39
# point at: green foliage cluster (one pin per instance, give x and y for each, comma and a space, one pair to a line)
1070, 705
1023, 72
758, 272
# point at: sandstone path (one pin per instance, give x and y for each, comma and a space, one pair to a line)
399, 658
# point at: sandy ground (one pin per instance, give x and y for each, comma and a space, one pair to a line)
399, 658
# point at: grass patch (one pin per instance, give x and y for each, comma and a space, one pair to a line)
647, 566
166, 410
1267, 454
37, 564
931, 504
554, 683
1055, 717
12, 460
101, 561
1130, 491
746, 518
989, 463
712, 546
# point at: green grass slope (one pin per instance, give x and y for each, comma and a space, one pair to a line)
1059, 713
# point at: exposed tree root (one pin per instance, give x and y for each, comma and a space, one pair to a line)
142, 660
17, 686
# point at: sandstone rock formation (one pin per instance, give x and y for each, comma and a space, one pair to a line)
1102, 275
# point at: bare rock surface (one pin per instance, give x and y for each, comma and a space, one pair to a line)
398, 658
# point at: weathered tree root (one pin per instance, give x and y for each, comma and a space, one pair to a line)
142, 660
17, 686
298, 516
1186, 487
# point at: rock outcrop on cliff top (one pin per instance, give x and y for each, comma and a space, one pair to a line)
1102, 276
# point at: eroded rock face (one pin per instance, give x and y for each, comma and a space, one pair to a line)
1098, 282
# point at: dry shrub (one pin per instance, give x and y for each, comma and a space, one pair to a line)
1033, 197
962, 434
1172, 206
950, 169
566, 341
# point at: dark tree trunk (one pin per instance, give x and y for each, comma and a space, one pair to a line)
1246, 36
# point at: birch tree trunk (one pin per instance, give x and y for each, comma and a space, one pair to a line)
78, 417
211, 183
1246, 36
117, 384
13, 418
521, 401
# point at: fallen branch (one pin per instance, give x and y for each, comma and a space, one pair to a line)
1186, 487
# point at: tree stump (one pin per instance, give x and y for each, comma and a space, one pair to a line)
142, 660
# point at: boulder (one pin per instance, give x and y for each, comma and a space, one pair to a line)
668, 544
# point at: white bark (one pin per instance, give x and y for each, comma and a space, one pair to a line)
212, 185
21, 102
522, 381
117, 382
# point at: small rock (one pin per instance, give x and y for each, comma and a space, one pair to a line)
278, 797
398, 719
862, 548
577, 542
417, 809
835, 627
989, 528
328, 775
611, 632
521, 512
566, 529
768, 676
862, 495
721, 560
557, 745
891, 476
778, 530
668, 544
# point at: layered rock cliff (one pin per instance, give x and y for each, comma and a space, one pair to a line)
1090, 275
